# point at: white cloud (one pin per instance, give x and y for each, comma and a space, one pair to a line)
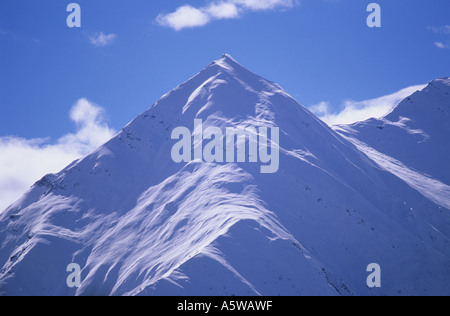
441, 45
440, 29
188, 16
24, 161
355, 111
256, 5
184, 17
101, 39
222, 10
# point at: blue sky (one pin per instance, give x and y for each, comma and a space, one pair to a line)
317, 50
128, 53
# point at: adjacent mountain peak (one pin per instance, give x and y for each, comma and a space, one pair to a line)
415, 132
427, 104
444, 80
442, 83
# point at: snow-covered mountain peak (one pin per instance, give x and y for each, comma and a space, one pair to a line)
227, 59
439, 86
227, 67
415, 132
225, 63
436, 92
227, 89
445, 81
138, 222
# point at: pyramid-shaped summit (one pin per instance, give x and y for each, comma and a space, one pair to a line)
225, 86
138, 222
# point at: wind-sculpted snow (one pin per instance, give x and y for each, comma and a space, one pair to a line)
138, 223
176, 221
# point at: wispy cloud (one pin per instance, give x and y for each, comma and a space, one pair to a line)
441, 30
188, 16
441, 45
24, 161
355, 111
101, 39
18, 37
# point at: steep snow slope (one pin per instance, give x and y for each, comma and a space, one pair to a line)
140, 224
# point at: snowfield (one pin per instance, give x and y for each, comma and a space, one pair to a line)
138, 223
